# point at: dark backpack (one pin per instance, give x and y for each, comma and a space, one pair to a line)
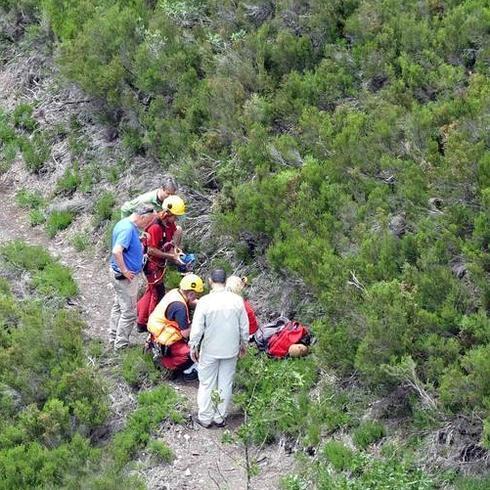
263, 334
289, 334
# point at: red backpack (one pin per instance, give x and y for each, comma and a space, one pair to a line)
291, 333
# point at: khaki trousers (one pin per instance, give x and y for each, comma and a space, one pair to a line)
123, 314
215, 387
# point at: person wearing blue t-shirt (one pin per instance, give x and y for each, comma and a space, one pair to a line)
126, 264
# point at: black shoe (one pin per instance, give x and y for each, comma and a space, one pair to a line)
192, 376
220, 424
141, 328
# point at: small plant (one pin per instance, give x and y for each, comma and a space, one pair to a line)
103, 208
28, 257
338, 455
58, 220
55, 280
35, 152
367, 433
153, 408
137, 368
36, 217
80, 241
22, 117
8, 155
69, 181
161, 450
29, 199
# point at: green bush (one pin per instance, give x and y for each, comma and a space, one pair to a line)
138, 368
55, 280
29, 199
154, 407
35, 151
57, 221
338, 455
29, 257
22, 117
80, 241
272, 393
103, 208
367, 433
69, 181
161, 451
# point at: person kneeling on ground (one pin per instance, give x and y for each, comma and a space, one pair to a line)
219, 334
236, 285
160, 248
169, 324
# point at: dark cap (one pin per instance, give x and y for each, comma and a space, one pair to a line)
218, 276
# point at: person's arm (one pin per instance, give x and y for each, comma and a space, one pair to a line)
197, 331
244, 329
117, 252
173, 256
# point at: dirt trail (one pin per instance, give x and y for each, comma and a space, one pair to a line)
202, 460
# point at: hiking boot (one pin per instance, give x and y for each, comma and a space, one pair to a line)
220, 424
206, 425
141, 328
192, 376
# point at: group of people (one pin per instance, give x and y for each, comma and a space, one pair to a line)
188, 332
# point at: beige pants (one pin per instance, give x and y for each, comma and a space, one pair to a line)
123, 314
215, 387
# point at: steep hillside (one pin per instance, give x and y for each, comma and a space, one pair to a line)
335, 152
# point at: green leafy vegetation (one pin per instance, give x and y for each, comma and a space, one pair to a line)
49, 278
103, 207
367, 433
138, 369
69, 182
57, 221
154, 406
81, 241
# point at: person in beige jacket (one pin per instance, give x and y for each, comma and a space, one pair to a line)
219, 334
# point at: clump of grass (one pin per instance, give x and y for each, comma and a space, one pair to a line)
161, 450
36, 217
367, 433
29, 199
55, 280
154, 407
138, 368
49, 277
338, 455
69, 181
35, 151
22, 117
58, 220
103, 208
80, 241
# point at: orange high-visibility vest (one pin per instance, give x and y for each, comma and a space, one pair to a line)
165, 331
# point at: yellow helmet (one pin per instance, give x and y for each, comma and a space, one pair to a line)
192, 282
174, 205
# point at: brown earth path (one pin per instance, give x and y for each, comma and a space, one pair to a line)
202, 460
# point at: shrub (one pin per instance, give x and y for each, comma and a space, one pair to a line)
35, 151
338, 455
36, 217
69, 182
161, 450
58, 220
138, 368
272, 393
153, 408
80, 241
367, 433
29, 199
22, 117
103, 208
28, 257
55, 280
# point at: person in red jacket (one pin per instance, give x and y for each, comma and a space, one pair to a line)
236, 285
160, 246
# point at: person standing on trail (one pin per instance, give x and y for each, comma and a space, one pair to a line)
159, 248
169, 324
219, 334
155, 200
126, 265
